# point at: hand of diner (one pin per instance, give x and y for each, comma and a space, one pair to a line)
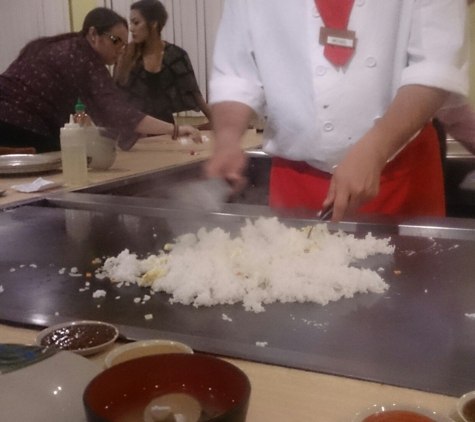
192, 132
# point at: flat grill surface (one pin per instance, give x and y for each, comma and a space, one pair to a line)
418, 334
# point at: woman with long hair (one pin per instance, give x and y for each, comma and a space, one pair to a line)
40, 88
157, 76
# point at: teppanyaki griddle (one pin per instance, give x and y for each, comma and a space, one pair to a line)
419, 334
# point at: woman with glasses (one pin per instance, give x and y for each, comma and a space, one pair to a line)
157, 76
40, 88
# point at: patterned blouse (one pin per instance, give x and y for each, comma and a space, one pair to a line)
38, 92
168, 91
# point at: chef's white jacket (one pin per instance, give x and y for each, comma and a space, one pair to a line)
267, 56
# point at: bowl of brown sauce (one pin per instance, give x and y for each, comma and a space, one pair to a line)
395, 412
81, 337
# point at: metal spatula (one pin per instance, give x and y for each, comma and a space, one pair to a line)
201, 195
325, 214
322, 215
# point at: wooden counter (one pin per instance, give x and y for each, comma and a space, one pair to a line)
287, 395
148, 154
278, 394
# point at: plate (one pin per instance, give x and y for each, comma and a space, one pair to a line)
381, 408
138, 349
462, 402
29, 163
49, 390
81, 337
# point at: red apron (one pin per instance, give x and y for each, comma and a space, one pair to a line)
411, 184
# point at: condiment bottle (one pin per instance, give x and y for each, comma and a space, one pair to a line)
73, 153
80, 115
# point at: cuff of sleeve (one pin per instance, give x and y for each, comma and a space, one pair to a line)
239, 90
437, 75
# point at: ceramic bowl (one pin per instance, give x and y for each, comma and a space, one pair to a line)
49, 390
128, 390
101, 148
138, 349
466, 407
391, 413
81, 337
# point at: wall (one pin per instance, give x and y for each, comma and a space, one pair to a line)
79, 10
23, 20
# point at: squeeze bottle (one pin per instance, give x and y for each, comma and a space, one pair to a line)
73, 153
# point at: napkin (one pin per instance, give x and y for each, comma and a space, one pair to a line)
38, 185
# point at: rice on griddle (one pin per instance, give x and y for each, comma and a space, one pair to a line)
268, 262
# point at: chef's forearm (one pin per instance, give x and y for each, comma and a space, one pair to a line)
230, 121
411, 109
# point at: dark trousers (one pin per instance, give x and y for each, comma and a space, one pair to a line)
16, 137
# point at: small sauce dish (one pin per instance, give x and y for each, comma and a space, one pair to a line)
81, 337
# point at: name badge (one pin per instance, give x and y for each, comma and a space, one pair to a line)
338, 37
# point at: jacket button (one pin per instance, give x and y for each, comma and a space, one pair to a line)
315, 13
328, 126
321, 70
370, 62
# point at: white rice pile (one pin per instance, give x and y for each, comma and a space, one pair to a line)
267, 263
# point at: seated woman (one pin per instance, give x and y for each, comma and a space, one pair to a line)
157, 76
40, 88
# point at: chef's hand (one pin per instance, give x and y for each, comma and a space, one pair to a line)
228, 162
192, 132
355, 181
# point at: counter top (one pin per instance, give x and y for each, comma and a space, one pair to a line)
148, 154
282, 395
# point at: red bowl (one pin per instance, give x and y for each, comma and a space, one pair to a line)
222, 389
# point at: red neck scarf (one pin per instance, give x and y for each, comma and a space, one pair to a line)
335, 15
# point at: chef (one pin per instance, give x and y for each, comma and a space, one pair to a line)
349, 89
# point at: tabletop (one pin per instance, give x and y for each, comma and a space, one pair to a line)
281, 394
148, 154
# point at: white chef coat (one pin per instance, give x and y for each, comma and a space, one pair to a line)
267, 56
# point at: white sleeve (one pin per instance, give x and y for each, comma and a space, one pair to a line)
235, 76
438, 46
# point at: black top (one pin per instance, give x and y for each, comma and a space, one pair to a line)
167, 91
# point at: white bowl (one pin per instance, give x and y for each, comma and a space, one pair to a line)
70, 331
380, 408
462, 402
47, 391
101, 149
138, 349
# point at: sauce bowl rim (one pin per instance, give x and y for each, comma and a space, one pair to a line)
461, 403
